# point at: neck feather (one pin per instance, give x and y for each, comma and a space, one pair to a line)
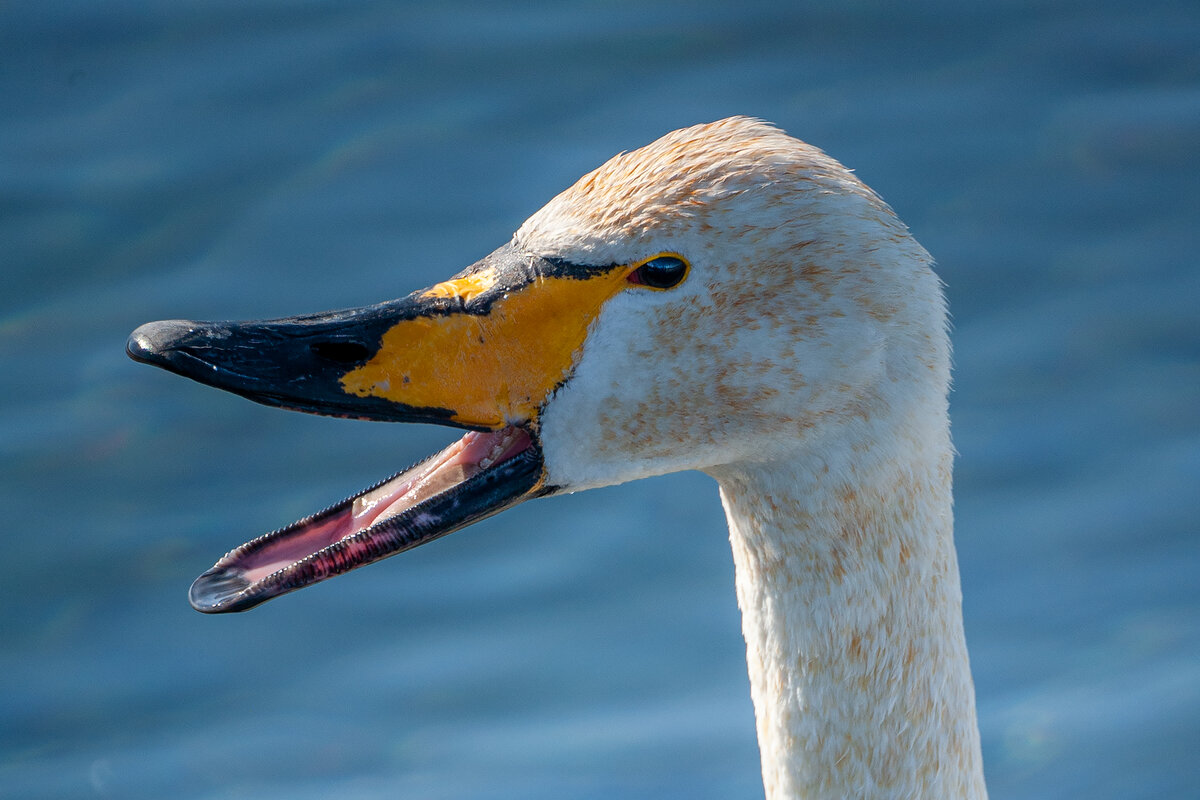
852, 612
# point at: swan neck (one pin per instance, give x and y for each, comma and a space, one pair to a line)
849, 588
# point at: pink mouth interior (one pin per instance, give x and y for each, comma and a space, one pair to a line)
459, 462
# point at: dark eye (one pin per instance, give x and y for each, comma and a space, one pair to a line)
660, 272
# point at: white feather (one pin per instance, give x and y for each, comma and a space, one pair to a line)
804, 364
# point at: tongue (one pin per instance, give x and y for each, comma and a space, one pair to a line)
460, 461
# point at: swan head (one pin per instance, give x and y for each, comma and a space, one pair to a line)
805, 305
725, 294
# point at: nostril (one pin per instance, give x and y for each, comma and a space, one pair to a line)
341, 352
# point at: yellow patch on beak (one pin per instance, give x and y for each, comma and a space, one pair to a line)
488, 369
466, 288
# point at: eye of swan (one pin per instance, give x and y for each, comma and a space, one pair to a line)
664, 271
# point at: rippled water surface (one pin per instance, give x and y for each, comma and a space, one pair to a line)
221, 159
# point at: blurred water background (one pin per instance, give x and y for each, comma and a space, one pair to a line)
228, 159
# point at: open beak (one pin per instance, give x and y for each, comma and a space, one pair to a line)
483, 351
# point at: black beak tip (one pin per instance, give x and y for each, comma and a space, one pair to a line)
152, 341
217, 590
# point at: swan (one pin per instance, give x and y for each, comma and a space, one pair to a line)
726, 299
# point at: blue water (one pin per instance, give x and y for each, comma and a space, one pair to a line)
221, 159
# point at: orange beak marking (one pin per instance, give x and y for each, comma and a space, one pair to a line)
493, 368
